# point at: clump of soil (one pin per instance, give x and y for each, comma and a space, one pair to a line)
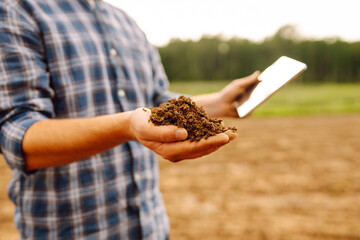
184, 113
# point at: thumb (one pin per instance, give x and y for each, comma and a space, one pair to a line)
165, 134
181, 134
239, 87
144, 129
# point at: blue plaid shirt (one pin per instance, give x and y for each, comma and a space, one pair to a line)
69, 59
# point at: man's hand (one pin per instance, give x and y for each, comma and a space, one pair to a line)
169, 141
225, 102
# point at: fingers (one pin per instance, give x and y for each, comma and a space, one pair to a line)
249, 80
239, 86
164, 134
245, 83
231, 134
188, 150
196, 154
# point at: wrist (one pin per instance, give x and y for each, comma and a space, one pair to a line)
211, 103
124, 122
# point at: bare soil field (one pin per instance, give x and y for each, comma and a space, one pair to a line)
289, 178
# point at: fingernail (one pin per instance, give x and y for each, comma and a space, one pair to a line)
181, 134
226, 138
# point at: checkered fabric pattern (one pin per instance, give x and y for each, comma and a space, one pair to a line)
72, 59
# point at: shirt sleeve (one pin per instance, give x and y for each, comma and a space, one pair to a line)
161, 82
25, 93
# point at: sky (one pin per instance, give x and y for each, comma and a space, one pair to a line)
162, 20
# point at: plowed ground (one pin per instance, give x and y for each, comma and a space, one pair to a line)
282, 178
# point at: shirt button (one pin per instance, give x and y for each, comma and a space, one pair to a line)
137, 177
113, 52
121, 93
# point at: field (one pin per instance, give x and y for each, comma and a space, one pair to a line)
283, 178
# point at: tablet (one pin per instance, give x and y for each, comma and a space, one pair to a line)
271, 79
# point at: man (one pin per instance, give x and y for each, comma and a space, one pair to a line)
74, 77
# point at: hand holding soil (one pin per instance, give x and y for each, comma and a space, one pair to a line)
184, 113
170, 141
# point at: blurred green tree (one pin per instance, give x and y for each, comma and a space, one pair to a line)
214, 58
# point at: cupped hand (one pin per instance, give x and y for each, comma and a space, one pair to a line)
170, 141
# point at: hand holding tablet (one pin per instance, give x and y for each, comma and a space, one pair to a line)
272, 79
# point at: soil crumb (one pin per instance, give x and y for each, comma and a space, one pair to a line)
184, 113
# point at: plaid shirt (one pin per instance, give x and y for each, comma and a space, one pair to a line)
69, 59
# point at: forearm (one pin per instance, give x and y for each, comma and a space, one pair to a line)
210, 103
58, 142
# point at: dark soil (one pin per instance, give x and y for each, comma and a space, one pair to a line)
184, 113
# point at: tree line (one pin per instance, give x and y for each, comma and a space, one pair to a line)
213, 58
